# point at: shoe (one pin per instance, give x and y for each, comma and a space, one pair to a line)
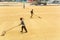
26, 32
21, 31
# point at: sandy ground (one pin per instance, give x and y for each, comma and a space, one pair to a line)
46, 28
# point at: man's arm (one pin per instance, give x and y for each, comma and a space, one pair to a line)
19, 24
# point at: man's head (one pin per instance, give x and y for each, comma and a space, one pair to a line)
21, 18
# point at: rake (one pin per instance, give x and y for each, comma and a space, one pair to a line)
4, 32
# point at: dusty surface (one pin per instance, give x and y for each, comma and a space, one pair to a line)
46, 28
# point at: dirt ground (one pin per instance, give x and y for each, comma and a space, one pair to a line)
45, 28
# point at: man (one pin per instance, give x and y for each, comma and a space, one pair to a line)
31, 13
24, 5
23, 25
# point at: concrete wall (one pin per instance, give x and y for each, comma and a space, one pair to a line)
16, 0
7, 0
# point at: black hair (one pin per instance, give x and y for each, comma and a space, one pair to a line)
21, 18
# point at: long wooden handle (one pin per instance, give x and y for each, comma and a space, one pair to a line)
12, 28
